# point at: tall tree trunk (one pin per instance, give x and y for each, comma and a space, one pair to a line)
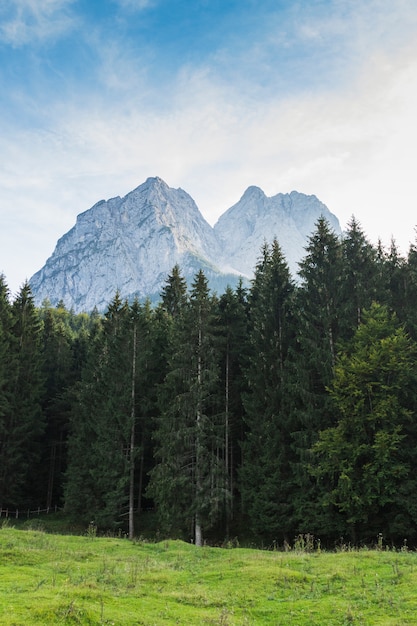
132, 441
141, 472
198, 532
198, 535
51, 476
228, 467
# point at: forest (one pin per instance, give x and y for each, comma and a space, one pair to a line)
287, 407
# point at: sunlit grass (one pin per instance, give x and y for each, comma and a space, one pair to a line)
56, 579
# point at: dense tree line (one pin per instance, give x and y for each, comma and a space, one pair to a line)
286, 407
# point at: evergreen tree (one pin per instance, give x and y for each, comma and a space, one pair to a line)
359, 279
395, 276
365, 462
110, 429
59, 373
174, 293
266, 481
23, 423
187, 483
100, 445
232, 345
147, 369
318, 307
411, 291
7, 375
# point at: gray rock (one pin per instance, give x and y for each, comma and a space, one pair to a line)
131, 244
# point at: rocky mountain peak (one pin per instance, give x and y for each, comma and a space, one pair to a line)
131, 244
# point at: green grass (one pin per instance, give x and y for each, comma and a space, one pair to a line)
56, 579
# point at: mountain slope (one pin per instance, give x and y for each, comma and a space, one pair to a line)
131, 244
256, 218
128, 244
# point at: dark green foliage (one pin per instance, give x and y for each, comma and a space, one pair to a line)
232, 342
97, 477
287, 409
395, 279
22, 421
410, 305
174, 293
318, 307
359, 278
366, 461
60, 374
110, 419
7, 373
188, 481
265, 476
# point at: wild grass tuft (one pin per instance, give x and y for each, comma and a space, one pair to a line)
90, 580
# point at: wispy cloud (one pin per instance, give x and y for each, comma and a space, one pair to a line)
135, 5
322, 101
28, 21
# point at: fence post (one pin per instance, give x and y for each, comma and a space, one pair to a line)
17, 513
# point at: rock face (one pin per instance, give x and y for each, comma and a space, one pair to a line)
291, 218
131, 244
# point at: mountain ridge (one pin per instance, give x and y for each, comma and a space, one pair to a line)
130, 244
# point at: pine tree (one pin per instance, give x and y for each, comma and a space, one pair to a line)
111, 416
7, 375
232, 344
318, 309
147, 369
395, 276
59, 373
359, 278
174, 293
411, 291
187, 483
100, 444
265, 477
365, 461
23, 422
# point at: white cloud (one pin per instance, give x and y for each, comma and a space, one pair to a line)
25, 21
354, 147
135, 5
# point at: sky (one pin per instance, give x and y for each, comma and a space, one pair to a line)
212, 96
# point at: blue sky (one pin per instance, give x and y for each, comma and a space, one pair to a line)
212, 96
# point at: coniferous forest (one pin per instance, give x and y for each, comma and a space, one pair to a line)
284, 408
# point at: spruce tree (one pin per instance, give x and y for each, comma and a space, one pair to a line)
100, 445
359, 278
365, 462
411, 291
395, 275
7, 376
265, 477
110, 419
318, 309
187, 483
232, 345
59, 373
174, 293
23, 423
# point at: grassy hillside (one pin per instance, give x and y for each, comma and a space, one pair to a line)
56, 579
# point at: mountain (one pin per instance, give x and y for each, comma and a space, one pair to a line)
131, 244
244, 228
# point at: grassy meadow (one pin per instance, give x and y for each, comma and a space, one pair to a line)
64, 579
